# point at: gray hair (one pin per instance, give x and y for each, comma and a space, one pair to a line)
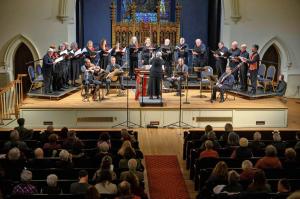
159, 54
64, 155
257, 136
247, 164
26, 176
14, 154
52, 180
271, 151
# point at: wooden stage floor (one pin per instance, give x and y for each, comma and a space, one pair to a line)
112, 101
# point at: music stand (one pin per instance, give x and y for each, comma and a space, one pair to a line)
180, 123
127, 123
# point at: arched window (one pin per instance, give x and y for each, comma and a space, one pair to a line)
272, 58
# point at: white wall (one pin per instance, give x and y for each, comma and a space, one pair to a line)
262, 21
37, 21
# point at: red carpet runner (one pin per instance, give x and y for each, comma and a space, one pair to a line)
165, 178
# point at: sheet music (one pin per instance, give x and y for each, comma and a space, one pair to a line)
109, 51
63, 52
78, 52
124, 49
84, 50
58, 59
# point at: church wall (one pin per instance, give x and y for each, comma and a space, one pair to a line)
262, 21
37, 21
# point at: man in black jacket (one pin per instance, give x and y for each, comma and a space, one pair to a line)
47, 70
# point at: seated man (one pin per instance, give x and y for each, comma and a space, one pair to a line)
180, 68
281, 87
25, 134
88, 70
225, 83
110, 69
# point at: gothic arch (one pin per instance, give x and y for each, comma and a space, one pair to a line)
10, 50
285, 59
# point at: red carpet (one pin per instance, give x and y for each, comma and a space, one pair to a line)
165, 178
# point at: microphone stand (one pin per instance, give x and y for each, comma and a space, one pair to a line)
180, 123
127, 123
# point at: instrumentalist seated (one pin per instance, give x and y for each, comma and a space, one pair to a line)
114, 70
176, 78
88, 70
225, 83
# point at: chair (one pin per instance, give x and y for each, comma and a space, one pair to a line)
205, 77
35, 81
260, 74
269, 79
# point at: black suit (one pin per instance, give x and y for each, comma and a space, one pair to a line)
244, 71
47, 72
155, 77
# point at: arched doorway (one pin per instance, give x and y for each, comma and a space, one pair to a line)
272, 58
22, 56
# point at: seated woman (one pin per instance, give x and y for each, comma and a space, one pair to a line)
127, 151
13, 164
259, 183
290, 161
212, 137
247, 174
209, 152
278, 142
270, 160
233, 140
102, 150
106, 165
243, 151
104, 183
52, 188
25, 187
233, 183
257, 145
51, 147
73, 144
65, 160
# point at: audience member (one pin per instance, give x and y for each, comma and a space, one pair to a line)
247, 174
209, 152
25, 134
43, 137
104, 183
25, 187
127, 151
15, 142
257, 144
270, 160
80, 187
233, 139
52, 186
212, 137
208, 128
125, 191
13, 164
283, 186
102, 150
233, 183
227, 129
38, 161
277, 141
51, 147
73, 144
132, 166
65, 160
104, 137
290, 161
63, 135
259, 183
243, 151
92, 193
106, 165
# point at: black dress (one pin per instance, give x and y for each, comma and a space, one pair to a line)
155, 77
103, 58
133, 59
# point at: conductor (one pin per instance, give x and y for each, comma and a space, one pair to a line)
156, 73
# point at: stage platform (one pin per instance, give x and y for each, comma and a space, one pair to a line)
71, 111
